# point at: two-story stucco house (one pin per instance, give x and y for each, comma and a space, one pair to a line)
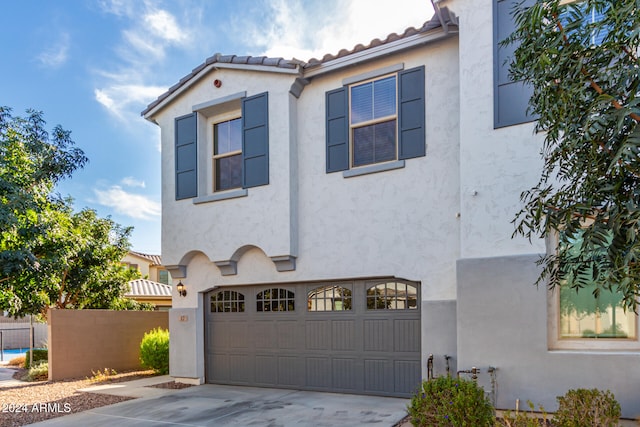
334, 222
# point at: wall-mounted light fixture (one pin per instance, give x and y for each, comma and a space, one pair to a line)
181, 290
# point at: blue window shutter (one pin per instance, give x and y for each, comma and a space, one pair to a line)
337, 130
255, 140
186, 156
411, 132
510, 98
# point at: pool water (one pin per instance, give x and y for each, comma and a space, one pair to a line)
9, 354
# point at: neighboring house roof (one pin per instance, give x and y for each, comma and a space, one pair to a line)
443, 18
147, 288
155, 259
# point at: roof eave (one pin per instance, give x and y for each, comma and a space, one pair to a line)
372, 53
187, 82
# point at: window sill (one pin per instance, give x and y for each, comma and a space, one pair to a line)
597, 351
594, 346
380, 167
233, 194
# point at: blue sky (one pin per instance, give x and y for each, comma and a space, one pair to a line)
93, 65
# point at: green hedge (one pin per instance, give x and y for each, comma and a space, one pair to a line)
39, 354
154, 350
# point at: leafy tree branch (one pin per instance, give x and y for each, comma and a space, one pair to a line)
586, 81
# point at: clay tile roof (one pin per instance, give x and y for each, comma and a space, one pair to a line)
147, 288
444, 18
155, 259
448, 18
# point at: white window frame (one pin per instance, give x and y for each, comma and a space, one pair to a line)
217, 120
352, 126
210, 112
579, 344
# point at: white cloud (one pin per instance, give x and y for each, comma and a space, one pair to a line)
130, 181
117, 7
132, 205
56, 54
120, 100
305, 32
149, 31
164, 26
140, 46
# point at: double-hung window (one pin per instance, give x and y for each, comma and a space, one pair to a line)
375, 119
227, 155
222, 145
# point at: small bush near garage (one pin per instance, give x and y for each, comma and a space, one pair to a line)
38, 372
39, 355
154, 351
454, 402
587, 408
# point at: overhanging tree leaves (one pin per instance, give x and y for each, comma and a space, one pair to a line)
49, 255
585, 78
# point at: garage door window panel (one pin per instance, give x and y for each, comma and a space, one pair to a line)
227, 302
330, 298
275, 299
392, 296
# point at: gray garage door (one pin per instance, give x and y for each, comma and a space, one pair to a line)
358, 337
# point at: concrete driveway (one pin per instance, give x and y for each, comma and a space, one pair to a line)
217, 405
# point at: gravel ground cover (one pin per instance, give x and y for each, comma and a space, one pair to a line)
171, 385
30, 402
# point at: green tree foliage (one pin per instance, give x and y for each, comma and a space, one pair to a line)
51, 256
585, 77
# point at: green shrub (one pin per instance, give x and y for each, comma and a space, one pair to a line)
154, 350
587, 408
39, 355
38, 372
447, 401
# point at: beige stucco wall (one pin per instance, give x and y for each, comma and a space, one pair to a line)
143, 265
82, 341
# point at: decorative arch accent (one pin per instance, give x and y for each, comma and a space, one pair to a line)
229, 267
179, 271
